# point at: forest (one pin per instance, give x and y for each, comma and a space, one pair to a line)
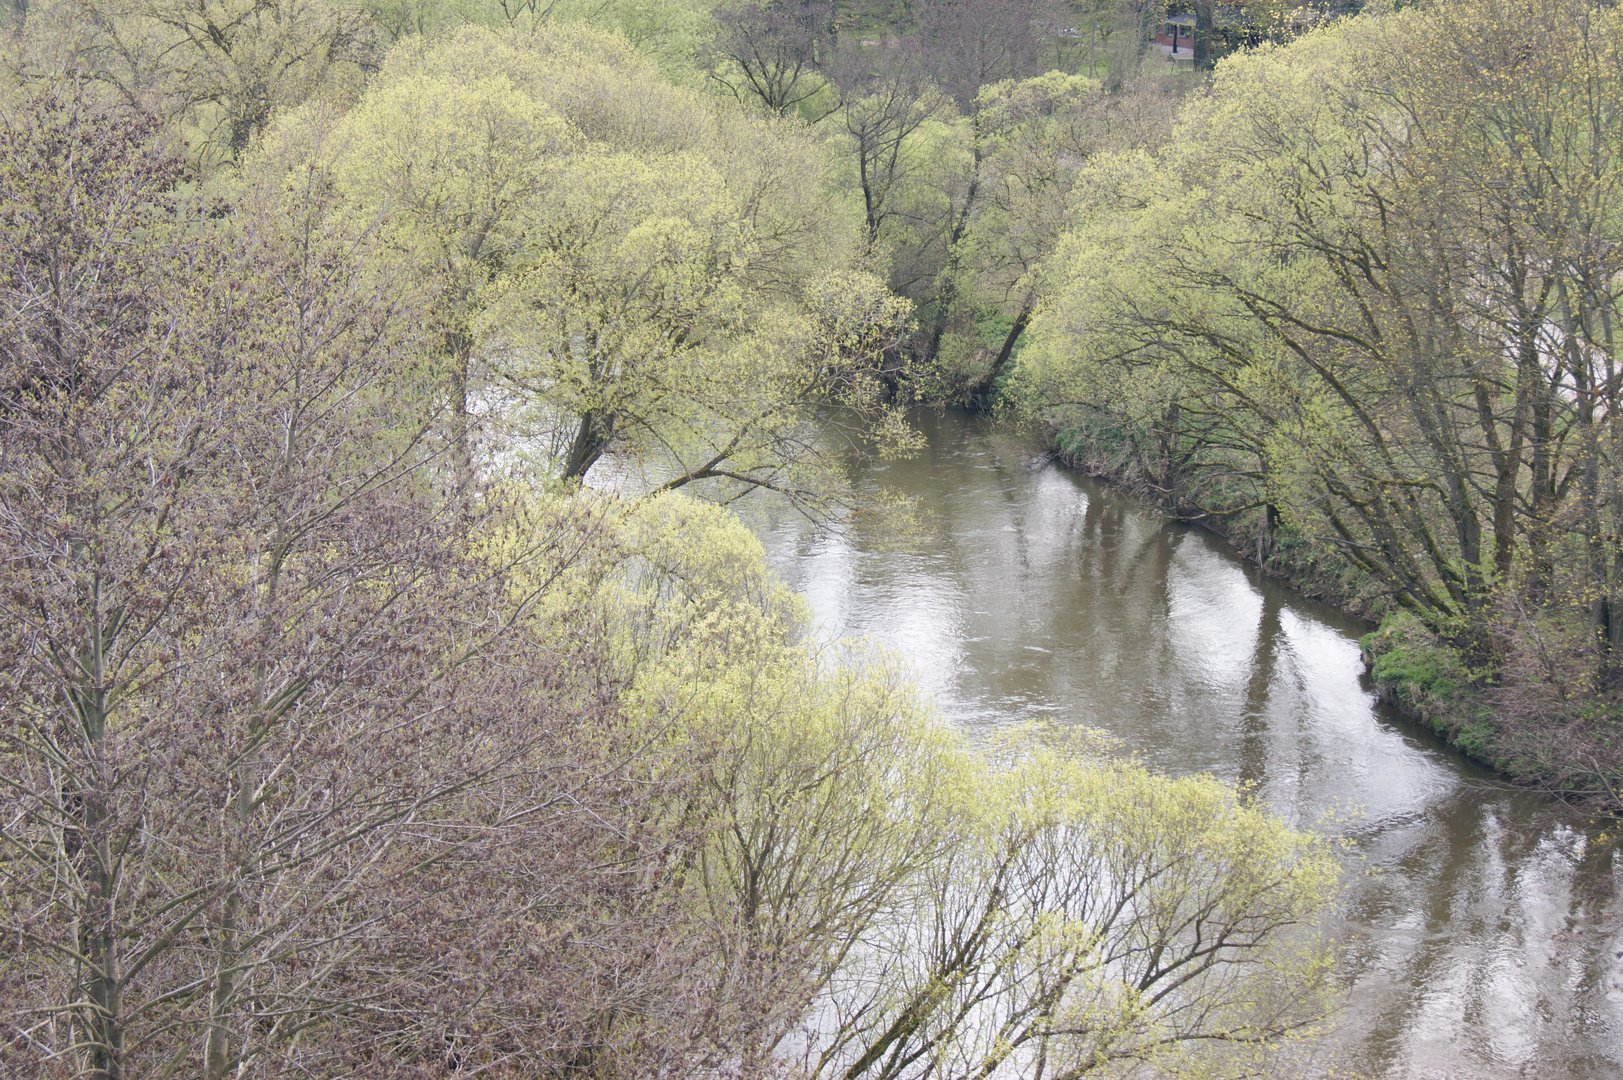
387, 687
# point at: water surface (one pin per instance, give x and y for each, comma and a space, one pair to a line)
1483, 932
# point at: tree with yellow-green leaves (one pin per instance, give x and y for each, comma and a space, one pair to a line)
625, 269
222, 69
898, 905
1369, 289
1028, 139
1089, 918
987, 203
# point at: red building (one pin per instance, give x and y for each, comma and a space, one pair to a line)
1231, 29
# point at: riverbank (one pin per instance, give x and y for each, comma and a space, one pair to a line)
1478, 946
1567, 747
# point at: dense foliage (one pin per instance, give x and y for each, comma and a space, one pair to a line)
324, 753
1366, 299
385, 689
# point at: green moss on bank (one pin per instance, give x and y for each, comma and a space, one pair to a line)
1429, 681
1568, 746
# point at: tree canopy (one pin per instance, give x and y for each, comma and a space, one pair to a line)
383, 691
1365, 293
624, 269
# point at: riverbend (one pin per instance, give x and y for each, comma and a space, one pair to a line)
1483, 932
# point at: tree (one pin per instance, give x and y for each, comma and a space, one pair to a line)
453, 157
248, 645
1350, 298
895, 118
1029, 144
643, 278
1030, 138
1089, 917
896, 904
1527, 134
969, 45
773, 53
1192, 301
324, 757
224, 67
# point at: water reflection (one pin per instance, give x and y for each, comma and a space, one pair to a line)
1485, 940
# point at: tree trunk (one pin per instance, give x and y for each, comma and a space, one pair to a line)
217, 1046
100, 999
1205, 20
955, 236
587, 446
461, 349
979, 395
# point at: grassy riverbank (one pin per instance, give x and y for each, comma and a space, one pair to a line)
1566, 744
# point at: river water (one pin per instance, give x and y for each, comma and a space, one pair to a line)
1483, 931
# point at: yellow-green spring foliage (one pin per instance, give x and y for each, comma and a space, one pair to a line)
906, 899
1371, 284
626, 268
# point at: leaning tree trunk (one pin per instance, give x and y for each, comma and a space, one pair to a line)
979, 394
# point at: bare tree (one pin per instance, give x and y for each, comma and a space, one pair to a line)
886, 99
774, 52
968, 44
287, 755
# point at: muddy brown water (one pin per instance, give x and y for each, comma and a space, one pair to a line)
1483, 930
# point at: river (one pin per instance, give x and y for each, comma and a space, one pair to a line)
1483, 929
